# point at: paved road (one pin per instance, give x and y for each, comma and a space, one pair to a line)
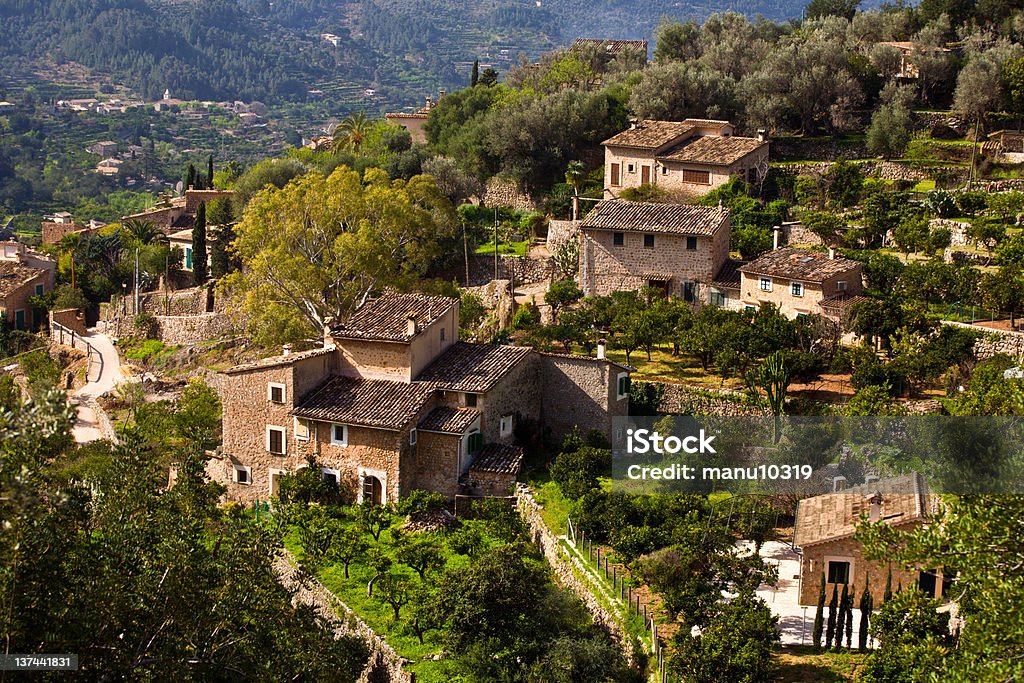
104, 375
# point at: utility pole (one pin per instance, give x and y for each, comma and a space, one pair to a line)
974, 151
495, 243
465, 249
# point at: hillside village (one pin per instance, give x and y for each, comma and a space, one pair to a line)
369, 388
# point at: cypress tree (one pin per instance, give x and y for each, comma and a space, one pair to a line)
865, 617
819, 615
849, 620
887, 595
841, 617
830, 627
190, 177
209, 173
475, 77
199, 271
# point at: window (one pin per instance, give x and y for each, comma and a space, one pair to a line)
797, 289
243, 475
841, 285
697, 177
622, 391
19, 319
475, 442
614, 181
331, 477
649, 241
691, 244
630, 168
506, 425
690, 291
719, 298
664, 170
339, 435
470, 400
39, 290
275, 392
301, 429
838, 572
766, 284
188, 258
412, 436
275, 440
618, 238
750, 308
442, 334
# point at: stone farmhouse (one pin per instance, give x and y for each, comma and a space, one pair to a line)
393, 402
179, 213
23, 273
677, 248
910, 52
800, 282
55, 227
414, 122
824, 532
689, 158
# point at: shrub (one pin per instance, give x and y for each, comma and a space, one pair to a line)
577, 472
147, 325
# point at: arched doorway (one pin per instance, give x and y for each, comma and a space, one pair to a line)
372, 490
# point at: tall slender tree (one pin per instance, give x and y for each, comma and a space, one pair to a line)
820, 614
887, 595
841, 617
833, 609
849, 620
199, 262
190, 177
474, 77
209, 173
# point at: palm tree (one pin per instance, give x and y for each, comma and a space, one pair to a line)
350, 133
144, 232
70, 244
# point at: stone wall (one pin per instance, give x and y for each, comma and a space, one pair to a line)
957, 230
887, 170
526, 270
795, 233
580, 392
549, 546
173, 329
687, 400
502, 192
560, 232
928, 120
71, 318
784, 148
385, 664
994, 342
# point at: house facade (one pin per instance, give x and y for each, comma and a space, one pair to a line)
800, 282
677, 248
394, 402
824, 533
415, 121
23, 274
689, 158
179, 213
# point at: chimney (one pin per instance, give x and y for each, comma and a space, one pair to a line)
831, 254
875, 508
328, 340
602, 349
838, 483
761, 134
410, 325
287, 350
776, 235
441, 93
430, 102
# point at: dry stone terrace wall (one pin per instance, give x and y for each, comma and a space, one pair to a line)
687, 400
994, 342
501, 192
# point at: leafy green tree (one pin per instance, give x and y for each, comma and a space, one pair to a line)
568, 660
844, 598
394, 590
817, 9
577, 471
421, 556
373, 519
488, 77
346, 546
1003, 290
677, 41
561, 294
199, 253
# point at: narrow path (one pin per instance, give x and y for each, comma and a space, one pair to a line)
104, 375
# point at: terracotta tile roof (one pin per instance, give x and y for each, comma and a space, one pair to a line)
728, 275
376, 403
834, 516
448, 420
613, 47
800, 264
472, 367
386, 318
279, 360
14, 275
650, 134
680, 219
713, 150
496, 458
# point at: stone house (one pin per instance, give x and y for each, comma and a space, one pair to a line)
415, 121
179, 213
690, 157
909, 53
677, 248
23, 274
394, 402
800, 282
824, 533
104, 148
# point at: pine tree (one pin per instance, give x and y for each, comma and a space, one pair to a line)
819, 616
830, 627
199, 271
887, 595
865, 617
475, 77
209, 173
844, 599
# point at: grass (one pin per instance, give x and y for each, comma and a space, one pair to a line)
555, 510
149, 351
514, 248
683, 368
803, 664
